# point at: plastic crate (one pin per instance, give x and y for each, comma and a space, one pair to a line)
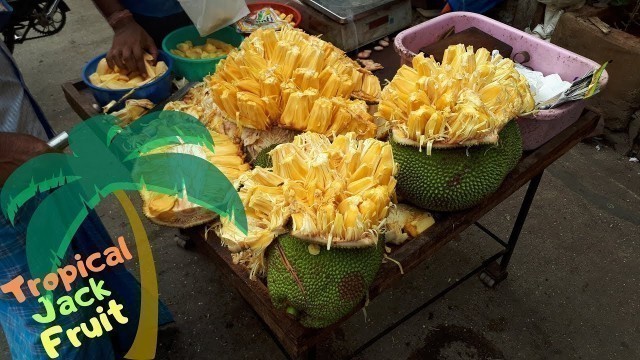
545, 57
5, 13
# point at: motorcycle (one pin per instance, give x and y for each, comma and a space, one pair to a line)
44, 17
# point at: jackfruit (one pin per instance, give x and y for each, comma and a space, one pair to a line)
119, 79
132, 111
255, 141
466, 100
406, 222
178, 212
320, 288
334, 194
456, 179
294, 81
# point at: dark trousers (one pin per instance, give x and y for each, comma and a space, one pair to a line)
159, 27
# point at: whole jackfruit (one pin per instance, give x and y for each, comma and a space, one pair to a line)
323, 288
456, 179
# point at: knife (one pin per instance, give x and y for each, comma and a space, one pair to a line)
61, 141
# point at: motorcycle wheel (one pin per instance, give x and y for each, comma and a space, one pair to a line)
46, 26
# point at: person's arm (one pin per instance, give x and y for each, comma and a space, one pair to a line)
130, 40
16, 149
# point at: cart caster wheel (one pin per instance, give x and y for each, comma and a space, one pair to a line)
183, 242
493, 275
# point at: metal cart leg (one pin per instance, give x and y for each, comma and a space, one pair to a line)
497, 272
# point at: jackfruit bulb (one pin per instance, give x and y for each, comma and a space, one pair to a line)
406, 222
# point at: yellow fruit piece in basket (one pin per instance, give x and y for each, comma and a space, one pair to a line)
209, 48
192, 54
103, 67
161, 68
109, 77
115, 85
220, 45
178, 53
183, 47
151, 71
95, 79
135, 81
120, 79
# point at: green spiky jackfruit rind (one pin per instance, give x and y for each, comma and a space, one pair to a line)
264, 159
334, 281
456, 179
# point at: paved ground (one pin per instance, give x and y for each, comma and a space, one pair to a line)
572, 292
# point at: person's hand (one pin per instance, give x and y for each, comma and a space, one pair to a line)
17, 149
129, 44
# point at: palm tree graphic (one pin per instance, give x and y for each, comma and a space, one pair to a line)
109, 159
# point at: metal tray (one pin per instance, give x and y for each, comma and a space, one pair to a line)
345, 11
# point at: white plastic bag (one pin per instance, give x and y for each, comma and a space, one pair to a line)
210, 16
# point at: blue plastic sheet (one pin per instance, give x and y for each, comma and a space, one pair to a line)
475, 6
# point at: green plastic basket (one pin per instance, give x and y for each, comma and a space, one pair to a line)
197, 69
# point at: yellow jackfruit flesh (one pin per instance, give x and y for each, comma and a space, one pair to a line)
119, 79
211, 49
294, 81
406, 222
133, 110
175, 211
465, 100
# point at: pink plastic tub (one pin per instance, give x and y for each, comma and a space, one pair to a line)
545, 57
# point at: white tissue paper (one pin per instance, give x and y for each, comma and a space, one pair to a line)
543, 87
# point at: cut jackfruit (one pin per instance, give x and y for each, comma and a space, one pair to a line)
132, 111
466, 100
294, 81
335, 194
406, 222
174, 211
